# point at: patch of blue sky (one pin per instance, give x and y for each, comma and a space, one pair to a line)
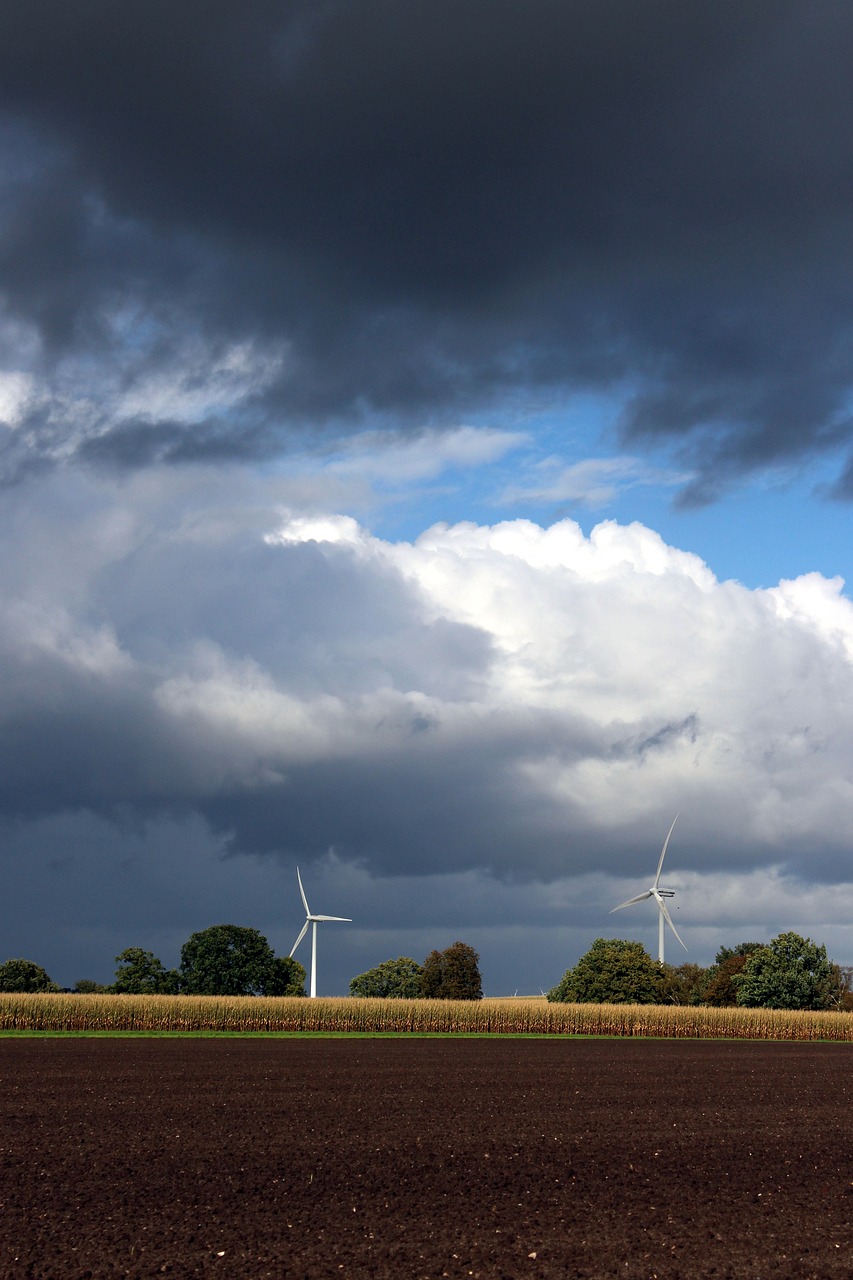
766, 527
760, 533
544, 464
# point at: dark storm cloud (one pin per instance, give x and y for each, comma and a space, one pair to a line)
136, 722
661, 737
429, 206
427, 805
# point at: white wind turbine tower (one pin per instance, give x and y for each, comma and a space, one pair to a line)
658, 894
313, 921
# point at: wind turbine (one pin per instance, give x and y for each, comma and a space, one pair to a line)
313, 921
658, 894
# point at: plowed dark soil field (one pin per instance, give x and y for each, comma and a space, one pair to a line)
425, 1158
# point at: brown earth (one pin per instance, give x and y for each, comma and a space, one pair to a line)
425, 1158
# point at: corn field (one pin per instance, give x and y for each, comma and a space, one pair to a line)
92, 1013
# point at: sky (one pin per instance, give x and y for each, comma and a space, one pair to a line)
426, 459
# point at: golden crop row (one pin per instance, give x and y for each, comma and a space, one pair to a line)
497, 1016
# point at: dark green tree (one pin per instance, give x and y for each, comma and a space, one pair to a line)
684, 984
140, 973
24, 975
842, 978
231, 960
398, 979
452, 974
791, 972
612, 972
742, 949
88, 987
720, 990
287, 978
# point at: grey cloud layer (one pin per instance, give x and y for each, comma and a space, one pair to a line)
418, 211
511, 701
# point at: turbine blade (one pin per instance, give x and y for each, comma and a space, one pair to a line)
302, 891
668, 918
663, 851
641, 897
346, 919
301, 936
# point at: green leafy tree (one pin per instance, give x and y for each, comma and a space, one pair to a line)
230, 960
140, 973
452, 974
24, 975
88, 987
791, 972
398, 979
613, 971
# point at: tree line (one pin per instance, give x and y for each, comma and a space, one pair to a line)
231, 960
452, 974
790, 972
224, 960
